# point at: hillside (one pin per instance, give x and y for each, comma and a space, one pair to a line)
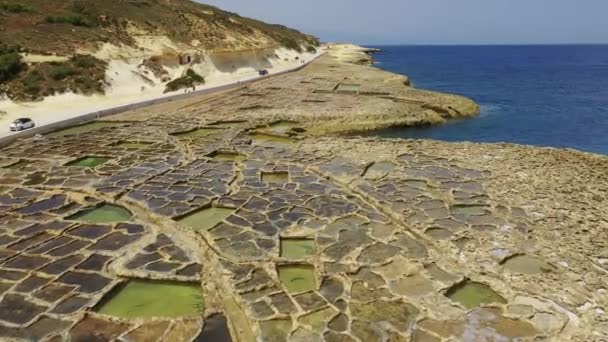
66, 26
40, 39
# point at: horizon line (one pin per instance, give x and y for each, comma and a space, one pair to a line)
482, 44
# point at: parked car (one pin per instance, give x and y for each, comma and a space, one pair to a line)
22, 124
263, 72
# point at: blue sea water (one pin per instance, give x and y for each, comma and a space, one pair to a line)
538, 95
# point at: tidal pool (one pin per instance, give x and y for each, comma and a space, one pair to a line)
148, 299
227, 156
107, 213
297, 248
205, 219
269, 139
348, 87
133, 145
283, 126
36, 178
472, 294
438, 233
195, 133
227, 124
297, 278
476, 210
16, 165
86, 128
379, 169
215, 329
275, 177
88, 162
526, 265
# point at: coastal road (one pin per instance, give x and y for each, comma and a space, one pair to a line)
48, 122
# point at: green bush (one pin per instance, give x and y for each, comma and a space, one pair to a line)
190, 80
62, 71
311, 49
290, 43
32, 81
84, 61
75, 20
10, 64
15, 8
196, 78
178, 83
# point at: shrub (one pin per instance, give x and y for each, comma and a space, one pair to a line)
15, 8
178, 83
196, 78
80, 7
188, 81
75, 20
84, 61
61, 71
32, 81
290, 43
10, 64
311, 49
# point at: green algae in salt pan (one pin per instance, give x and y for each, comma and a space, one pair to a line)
526, 265
297, 278
106, 213
228, 156
16, 165
88, 162
275, 177
227, 124
86, 128
296, 248
269, 139
148, 299
205, 219
200, 132
133, 145
283, 126
476, 210
349, 87
471, 294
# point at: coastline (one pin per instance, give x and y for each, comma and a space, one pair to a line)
129, 88
396, 226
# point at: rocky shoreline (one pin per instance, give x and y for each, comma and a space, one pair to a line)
290, 232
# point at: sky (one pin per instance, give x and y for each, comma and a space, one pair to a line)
435, 21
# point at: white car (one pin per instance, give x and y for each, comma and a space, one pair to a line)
22, 124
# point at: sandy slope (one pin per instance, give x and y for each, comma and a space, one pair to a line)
129, 86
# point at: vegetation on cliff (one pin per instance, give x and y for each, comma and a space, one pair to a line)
10, 62
46, 29
80, 74
190, 80
63, 27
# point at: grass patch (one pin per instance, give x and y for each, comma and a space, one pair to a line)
290, 43
311, 49
10, 62
72, 19
15, 8
61, 71
33, 82
84, 61
80, 74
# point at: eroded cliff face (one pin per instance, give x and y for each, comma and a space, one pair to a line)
140, 44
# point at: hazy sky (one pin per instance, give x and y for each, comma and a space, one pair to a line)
435, 21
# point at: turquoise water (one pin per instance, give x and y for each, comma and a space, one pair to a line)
538, 95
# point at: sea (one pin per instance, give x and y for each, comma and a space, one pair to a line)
543, 95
